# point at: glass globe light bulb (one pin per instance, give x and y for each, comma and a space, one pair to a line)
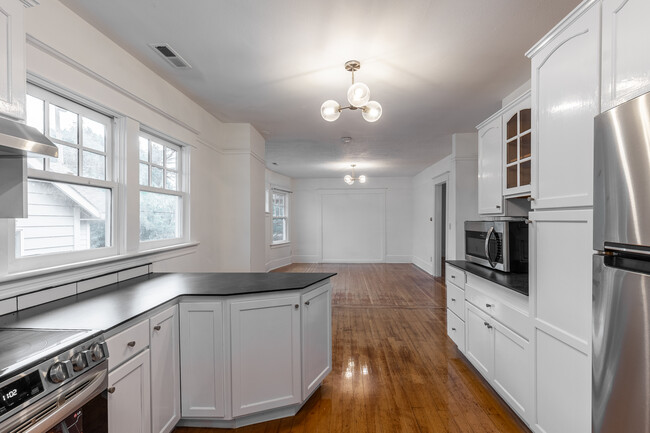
330, 110
372, 111
348, 179
362, 178
358, 95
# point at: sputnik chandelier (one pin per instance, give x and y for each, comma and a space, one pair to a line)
358, 97
350, 179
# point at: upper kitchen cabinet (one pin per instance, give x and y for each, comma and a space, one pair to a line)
625, 54
490, 196
517, 134
12, 59
565, 99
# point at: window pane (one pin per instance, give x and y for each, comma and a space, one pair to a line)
94, 166
63, 218
159, 216
170, 180
279, 229
279, 201
144, 149
35, 113
144, 174
67, 162
156, 177
63, 124
94, 134
170, 158
156, 153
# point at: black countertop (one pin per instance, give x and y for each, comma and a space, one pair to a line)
110, 306
516, 282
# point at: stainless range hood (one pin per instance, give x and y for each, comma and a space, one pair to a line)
22, 140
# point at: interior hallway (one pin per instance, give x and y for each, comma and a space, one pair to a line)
394, 369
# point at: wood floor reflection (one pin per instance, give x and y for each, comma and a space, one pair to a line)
394, 369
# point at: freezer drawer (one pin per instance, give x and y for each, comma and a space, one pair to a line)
621, 345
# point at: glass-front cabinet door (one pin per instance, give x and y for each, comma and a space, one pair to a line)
517, 141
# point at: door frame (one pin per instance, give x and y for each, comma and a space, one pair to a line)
438, 229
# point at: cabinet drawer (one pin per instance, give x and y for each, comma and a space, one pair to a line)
510, 316
456, 300
456, 330
455, 275
127, 343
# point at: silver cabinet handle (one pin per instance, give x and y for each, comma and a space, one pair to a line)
489, 305
488, 325
306, 302
296, 306
157, 328
453, 329
131, 344
498, 207
453, 299
453, 277
111, 390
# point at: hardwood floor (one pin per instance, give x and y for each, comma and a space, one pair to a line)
394, 369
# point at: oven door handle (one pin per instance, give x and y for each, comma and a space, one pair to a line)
487, 246
98, 383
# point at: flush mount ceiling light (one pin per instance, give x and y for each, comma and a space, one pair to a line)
350, 179
358, 97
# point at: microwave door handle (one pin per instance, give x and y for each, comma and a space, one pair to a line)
487, 246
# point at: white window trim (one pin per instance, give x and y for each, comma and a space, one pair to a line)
287, 218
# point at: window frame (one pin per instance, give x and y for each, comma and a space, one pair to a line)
40, 261
286, 217
182, 190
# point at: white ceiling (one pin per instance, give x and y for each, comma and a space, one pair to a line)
436, 66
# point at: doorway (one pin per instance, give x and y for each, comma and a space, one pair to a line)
440, 219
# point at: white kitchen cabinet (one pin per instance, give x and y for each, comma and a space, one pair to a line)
517, 154
511, 373
455, 283
565, 99
625, 54
12, 59
316, 338
165, 371
265, 354
479, 341
203, 359
129, 400
490, 144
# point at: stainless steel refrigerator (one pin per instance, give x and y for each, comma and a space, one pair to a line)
621, 278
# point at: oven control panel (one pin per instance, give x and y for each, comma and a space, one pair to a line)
19, 391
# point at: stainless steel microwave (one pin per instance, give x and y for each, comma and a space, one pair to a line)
500, 245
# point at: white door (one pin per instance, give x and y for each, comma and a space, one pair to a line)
265, 354
129, 399
165, 371
512, 369
479, 341
12, 59
565, 93
490, 166
353, 225
203, 362
316, 338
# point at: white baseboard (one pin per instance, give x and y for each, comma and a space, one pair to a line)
305, 259
424, 265
399, 259
353, 261
278, 263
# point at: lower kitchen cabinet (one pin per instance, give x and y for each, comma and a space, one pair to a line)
316, 338
165, 371
265, 354
511, 368
203, 360
480, 340
129, 400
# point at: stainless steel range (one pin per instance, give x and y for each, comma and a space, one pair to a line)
52, 381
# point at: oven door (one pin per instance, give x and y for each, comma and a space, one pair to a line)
78, 407
484, 244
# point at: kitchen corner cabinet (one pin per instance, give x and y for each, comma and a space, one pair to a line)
129, 399
165, 371
12, 59
625, 54
203, 359
490, 192
565, 99
517, 154
316, 338
265, 354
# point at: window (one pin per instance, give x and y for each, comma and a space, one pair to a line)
161, 196
280, 209
70, 198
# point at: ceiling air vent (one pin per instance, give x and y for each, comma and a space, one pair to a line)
170, 55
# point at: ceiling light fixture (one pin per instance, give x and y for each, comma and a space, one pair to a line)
350, 179
358, 97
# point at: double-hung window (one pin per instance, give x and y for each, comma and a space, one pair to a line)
280, 217
70, 198
161, 190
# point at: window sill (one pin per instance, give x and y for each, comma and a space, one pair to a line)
280, 244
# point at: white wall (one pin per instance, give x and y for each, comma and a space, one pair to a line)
307, 216
279, 255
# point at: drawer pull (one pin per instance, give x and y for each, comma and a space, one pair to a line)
111, 390
453, 276
131, 344
489, 305
296, 306
157, 328
453, 329
488, 325
306, 302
